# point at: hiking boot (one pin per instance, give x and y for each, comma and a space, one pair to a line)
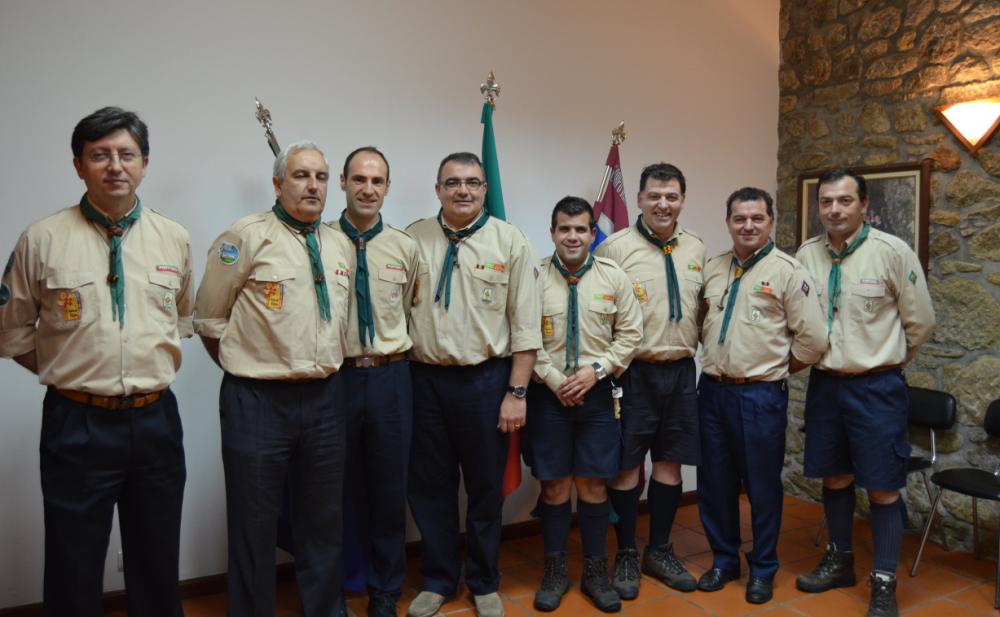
883, 599
596, 586
661, 563
555, 584
626, 578
835, 569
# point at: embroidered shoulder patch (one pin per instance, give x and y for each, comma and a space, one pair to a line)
913, 277
805, 288
228, 253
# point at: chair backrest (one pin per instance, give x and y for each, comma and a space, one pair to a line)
992, 421
933, 409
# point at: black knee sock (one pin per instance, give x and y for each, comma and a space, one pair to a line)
593, 518
555, 526
838, 505
664, 500
626, 505
887, 535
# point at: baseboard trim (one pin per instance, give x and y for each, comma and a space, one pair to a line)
216, 583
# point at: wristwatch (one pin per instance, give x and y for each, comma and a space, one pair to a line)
518, 391
599, 371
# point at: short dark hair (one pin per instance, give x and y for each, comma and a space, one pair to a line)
105, 121
836, 174
373, 150
749, 193
572, 206
665, 172
463, 158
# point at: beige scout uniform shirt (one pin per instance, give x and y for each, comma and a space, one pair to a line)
663, 340
392, 274
60, 305
495, 307
776, 313
885, 307
609, 319
259, 299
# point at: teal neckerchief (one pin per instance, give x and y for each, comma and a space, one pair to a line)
833, 283
362, 290
734, 289
116, 271
315, 259
573, 309
673, 287
451, 255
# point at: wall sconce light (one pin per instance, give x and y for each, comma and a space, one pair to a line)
973, 122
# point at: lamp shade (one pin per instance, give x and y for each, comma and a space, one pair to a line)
973, 122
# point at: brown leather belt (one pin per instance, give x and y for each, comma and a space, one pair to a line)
871, 371
733, 381
114, 403
373, 361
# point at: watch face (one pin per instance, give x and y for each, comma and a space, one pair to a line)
518, 391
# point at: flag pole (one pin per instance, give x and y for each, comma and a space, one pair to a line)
618, 136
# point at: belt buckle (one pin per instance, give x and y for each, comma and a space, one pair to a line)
124, 403
364, 361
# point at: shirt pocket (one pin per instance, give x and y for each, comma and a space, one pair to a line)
645, 287
603, 314
868, 302
70, 300
389, 287
271, 288
691, 289
161, 294
489, 289
553, 323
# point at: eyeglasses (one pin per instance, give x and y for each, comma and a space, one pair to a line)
103, 156
473, 184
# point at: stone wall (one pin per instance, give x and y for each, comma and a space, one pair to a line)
858, 80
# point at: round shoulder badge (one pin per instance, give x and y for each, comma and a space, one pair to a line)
228, 253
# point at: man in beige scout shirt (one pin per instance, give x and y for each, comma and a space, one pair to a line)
762, 321
591, 327
94, 300
379, 409
272, 312
878, 312
660, 406
474, 325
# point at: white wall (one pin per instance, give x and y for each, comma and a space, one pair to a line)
696, 83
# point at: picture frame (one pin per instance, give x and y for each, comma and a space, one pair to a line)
899, 203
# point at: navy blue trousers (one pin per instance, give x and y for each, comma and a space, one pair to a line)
455, 414
273, 430
378, 405
742, 431
91, 460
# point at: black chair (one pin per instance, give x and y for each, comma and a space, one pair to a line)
976, 483
935, 411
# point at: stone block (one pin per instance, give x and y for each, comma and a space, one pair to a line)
967, 314
975, 386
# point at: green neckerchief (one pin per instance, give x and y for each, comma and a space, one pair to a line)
833, 283
734, 289
315, 259
451, 255
573, 309
673, 288
116, 271
362, 291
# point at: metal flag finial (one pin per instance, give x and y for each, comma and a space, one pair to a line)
264, 117
618, 134
490, 89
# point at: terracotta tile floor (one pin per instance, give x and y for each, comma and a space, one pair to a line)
949, 584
